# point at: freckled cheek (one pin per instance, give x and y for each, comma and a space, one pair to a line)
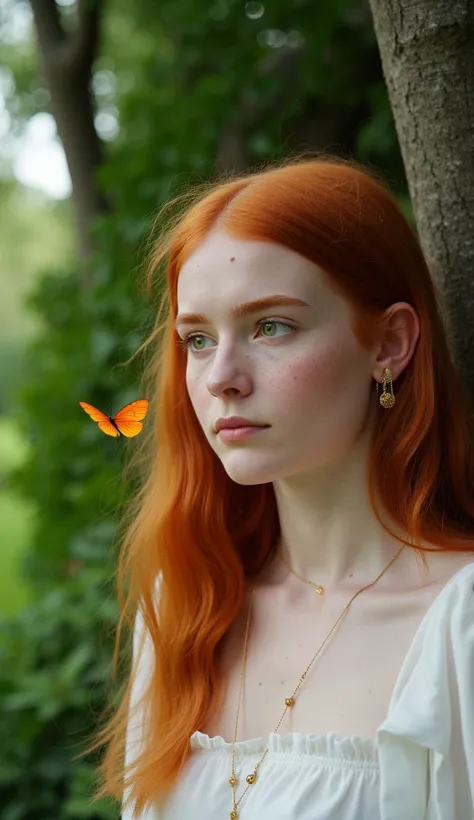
303, 383
307, 381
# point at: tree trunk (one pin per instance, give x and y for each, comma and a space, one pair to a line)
427, 53
67, 60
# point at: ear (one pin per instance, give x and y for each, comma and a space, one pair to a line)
398, 341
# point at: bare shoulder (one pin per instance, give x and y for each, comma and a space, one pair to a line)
442, 566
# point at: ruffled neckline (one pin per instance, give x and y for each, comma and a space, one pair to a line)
330, 745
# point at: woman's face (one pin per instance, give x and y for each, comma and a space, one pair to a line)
298, 369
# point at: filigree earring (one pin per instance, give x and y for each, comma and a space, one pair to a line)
387, 399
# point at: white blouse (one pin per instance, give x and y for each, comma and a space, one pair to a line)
419, 767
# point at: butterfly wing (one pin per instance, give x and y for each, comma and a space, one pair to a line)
108, 428
129, 418
102, 420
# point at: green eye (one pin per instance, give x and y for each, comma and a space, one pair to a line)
187, 341
271, 323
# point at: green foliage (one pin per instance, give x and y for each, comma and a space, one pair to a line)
73, 472
29, 222
54, 671
16, 517
188, 72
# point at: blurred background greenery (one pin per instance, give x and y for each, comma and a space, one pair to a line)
178, 91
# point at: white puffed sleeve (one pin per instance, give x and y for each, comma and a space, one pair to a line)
453, 774
426, 743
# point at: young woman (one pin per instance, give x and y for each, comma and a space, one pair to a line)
301, 561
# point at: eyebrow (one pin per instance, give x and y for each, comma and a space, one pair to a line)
239, 311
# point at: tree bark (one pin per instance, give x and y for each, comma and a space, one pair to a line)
67, 60
427, 53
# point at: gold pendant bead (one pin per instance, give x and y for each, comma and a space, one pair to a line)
251, 778
232, 780
387, 400
320, 590
233, 815
289, 701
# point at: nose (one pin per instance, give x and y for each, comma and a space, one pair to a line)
233, 384
228, 375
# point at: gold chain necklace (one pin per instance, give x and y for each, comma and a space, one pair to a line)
318, 589
290, 701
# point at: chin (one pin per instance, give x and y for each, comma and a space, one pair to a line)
251, 475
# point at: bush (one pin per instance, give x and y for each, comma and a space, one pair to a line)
54, 673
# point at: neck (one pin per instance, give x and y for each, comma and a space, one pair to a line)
330, 534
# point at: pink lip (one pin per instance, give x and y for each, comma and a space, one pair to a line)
237, 433
236, 421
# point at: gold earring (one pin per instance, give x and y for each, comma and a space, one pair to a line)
387, 400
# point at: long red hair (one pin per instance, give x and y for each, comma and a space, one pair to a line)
203, 535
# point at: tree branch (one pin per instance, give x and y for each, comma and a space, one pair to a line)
85, 40
67, 52
48, 24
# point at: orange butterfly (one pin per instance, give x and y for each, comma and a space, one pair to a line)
127, 421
